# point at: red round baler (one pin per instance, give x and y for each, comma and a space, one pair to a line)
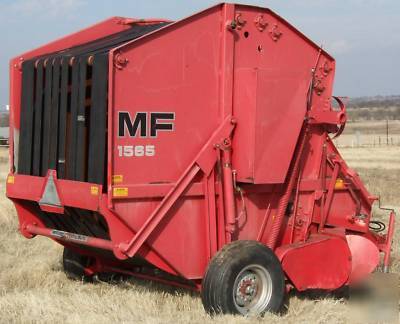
197, 153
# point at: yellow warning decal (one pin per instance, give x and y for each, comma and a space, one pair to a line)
120, 192
94, 190
10, 179
117, 178
339, 184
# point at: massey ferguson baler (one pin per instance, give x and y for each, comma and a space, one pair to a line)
197, 153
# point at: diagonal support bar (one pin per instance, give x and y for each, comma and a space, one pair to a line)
205, 162
160, 212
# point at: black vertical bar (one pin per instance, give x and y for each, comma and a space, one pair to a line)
71, 155
55, 97
26, 118
47, 115
62, 118
98, 120
81, 118
37, 135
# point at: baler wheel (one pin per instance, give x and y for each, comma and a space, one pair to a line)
245, 278
74, 265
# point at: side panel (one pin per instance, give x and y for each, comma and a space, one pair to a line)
273, 64
165, 108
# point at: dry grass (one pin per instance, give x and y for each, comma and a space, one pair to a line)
33, 287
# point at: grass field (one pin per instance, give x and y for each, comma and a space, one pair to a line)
33, 287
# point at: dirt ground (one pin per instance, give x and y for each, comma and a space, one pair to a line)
33, 287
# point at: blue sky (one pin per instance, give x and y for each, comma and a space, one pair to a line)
363, 35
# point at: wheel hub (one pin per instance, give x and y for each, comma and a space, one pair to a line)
246, 289
252, 290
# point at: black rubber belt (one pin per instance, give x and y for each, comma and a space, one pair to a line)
81, 121
47, 116
62, 129
26, 121
55, 98
98, 120
37, 141
71, 155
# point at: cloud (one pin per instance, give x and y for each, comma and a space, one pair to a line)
44, 8
340, 46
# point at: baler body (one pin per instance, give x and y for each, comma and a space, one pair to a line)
150, 144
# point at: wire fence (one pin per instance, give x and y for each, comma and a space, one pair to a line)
366, 140
373, 133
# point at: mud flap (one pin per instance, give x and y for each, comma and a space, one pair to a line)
365, 257
322, 262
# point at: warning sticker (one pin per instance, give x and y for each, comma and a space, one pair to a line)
120, 192
117, 178
94, 190
339, 184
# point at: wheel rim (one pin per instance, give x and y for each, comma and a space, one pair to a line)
252, 290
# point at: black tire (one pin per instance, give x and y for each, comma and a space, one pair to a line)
245, 278
74, 265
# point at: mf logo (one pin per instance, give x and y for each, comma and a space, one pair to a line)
145, 124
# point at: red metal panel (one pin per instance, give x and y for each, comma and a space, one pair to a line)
187, 55
72, 193
322, 262
272, 78
158, 190
25, 187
